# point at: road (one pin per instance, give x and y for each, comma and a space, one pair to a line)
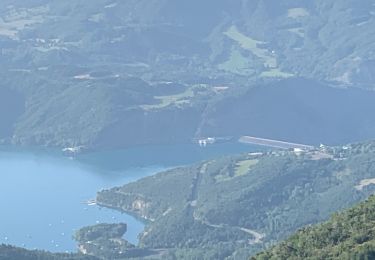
257, 238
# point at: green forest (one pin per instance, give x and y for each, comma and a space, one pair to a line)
346, 235
238, 205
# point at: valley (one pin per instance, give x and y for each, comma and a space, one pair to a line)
120, 122
114, 73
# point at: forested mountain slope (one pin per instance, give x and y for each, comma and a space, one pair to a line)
347, 235
102, 73
321, 39
234, 206
15, 253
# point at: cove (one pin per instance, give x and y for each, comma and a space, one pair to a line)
43, 193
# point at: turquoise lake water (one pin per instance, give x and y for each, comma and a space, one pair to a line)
43, 193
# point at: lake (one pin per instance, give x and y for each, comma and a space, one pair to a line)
43, 194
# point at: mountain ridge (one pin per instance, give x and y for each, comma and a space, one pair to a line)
120, 55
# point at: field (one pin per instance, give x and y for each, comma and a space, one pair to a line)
237, 63
165, 101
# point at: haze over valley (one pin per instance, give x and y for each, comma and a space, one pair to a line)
174, 129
